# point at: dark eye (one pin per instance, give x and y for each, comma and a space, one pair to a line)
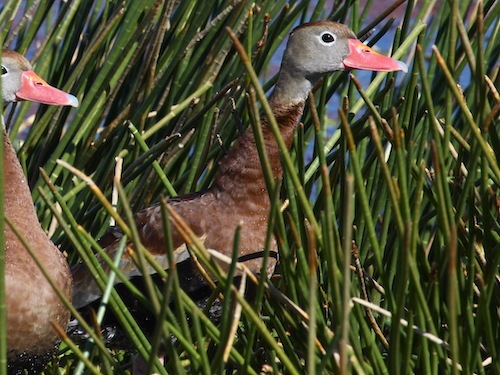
328, 37
4, 70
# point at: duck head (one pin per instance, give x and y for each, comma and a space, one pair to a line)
318, 48
19, 82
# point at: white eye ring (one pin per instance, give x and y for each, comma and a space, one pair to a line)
327, 38
4, 70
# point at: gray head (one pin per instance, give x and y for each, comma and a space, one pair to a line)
13, 64
318, 48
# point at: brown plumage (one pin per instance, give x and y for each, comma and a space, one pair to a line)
32, 304
238, 195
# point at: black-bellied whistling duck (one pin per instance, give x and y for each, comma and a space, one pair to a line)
238, 195
31, 302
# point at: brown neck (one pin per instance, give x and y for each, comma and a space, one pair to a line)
240, 174
18, 202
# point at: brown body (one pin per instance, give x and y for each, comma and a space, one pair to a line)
32, 304
238, 196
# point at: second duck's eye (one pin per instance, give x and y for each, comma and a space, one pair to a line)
327, 37
4, 70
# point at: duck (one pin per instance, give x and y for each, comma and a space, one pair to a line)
32, 306
238, 195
